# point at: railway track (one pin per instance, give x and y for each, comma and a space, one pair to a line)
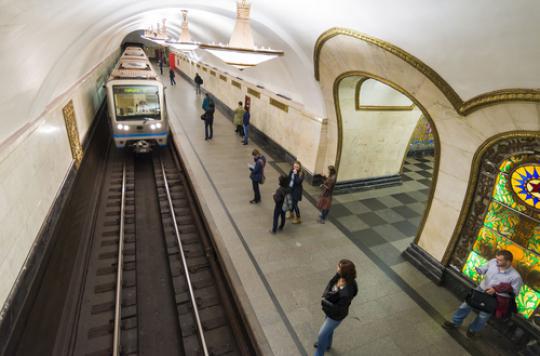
154, 284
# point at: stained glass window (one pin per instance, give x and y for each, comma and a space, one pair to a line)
509, 224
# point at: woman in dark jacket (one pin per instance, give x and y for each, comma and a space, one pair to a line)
335, 302
296, 177
279, 199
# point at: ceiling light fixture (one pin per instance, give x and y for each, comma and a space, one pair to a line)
241, 51
158, 36
184, 43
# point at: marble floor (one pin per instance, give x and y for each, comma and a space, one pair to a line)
280, 277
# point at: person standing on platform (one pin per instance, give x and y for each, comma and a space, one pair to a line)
237, 119
198, 82
209, 121
279, 198
257, 175
296, 177
207, 102
501, 281
335, 302
245, 125
325, 199
161, 65
171, 76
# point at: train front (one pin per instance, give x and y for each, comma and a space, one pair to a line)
138, 118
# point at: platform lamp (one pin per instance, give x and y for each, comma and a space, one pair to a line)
241, 51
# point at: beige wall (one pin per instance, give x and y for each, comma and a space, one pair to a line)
374, 142
298, 131
460, 136
33, 165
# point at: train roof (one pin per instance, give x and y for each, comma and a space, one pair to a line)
134, 64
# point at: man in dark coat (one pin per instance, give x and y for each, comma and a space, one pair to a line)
198, 82
209, 121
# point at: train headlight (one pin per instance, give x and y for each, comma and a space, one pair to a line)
126, 127
120, 126
158, 125
153, 127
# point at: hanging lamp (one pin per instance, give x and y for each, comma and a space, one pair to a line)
241, 51
184, 43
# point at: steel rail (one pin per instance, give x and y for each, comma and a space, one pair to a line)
184, 263
119, 271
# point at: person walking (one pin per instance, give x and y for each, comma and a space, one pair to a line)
198, 82
296, 177
209, 121
161, 65
238, 118
257, 175
325, 199
502, 282
245, 124
335, 302
279, 198
171, 76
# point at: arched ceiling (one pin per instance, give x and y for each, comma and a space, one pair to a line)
476, 47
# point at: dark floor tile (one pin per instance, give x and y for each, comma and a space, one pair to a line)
388, 253
426, 182
405, 212
371, 219
426, 174
390, 233
425, 191
338, 210
405, 169
424, 166
406, 228
367, 237
405, 178
404, 198
389, 215
373, 204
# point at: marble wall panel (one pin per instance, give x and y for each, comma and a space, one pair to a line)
33, 168
460, 136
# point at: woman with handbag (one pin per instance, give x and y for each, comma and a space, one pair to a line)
327, 189
336, 299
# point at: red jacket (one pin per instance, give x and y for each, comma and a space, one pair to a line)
504, 304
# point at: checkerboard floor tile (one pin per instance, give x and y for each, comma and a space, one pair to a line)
386, 220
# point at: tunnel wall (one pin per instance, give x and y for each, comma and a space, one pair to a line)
34, 163
287, 123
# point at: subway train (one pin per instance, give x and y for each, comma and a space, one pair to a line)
136, 101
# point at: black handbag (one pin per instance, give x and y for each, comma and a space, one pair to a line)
481, 301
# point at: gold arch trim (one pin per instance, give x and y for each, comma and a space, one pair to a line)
424, 112
359, 107
462, 107
473, 180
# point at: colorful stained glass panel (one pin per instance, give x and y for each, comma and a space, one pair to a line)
534, 241
501, 219
526, 184
469, 269
502, 193
486, 243
527, 301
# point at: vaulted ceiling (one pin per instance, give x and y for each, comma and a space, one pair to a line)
476, 47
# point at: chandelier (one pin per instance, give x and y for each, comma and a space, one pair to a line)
184, 43
241, 51
159, 35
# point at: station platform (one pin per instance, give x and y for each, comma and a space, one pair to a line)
279, 278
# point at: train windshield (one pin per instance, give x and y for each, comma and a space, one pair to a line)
136, 102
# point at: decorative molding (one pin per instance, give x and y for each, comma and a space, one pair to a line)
234, 83
493, 149
212, 73
254, 93
436, 140
462, 107
204, 69
222, 77
279, 105
426, 263
360, 107
73, 133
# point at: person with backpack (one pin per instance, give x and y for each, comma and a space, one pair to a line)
198, 82
209, 122
335, 302
327, 190
257, 175
281, 203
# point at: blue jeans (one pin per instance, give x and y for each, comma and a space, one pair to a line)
246, 131
256, 191
324, 214
325, 335
278, 212
478, 324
